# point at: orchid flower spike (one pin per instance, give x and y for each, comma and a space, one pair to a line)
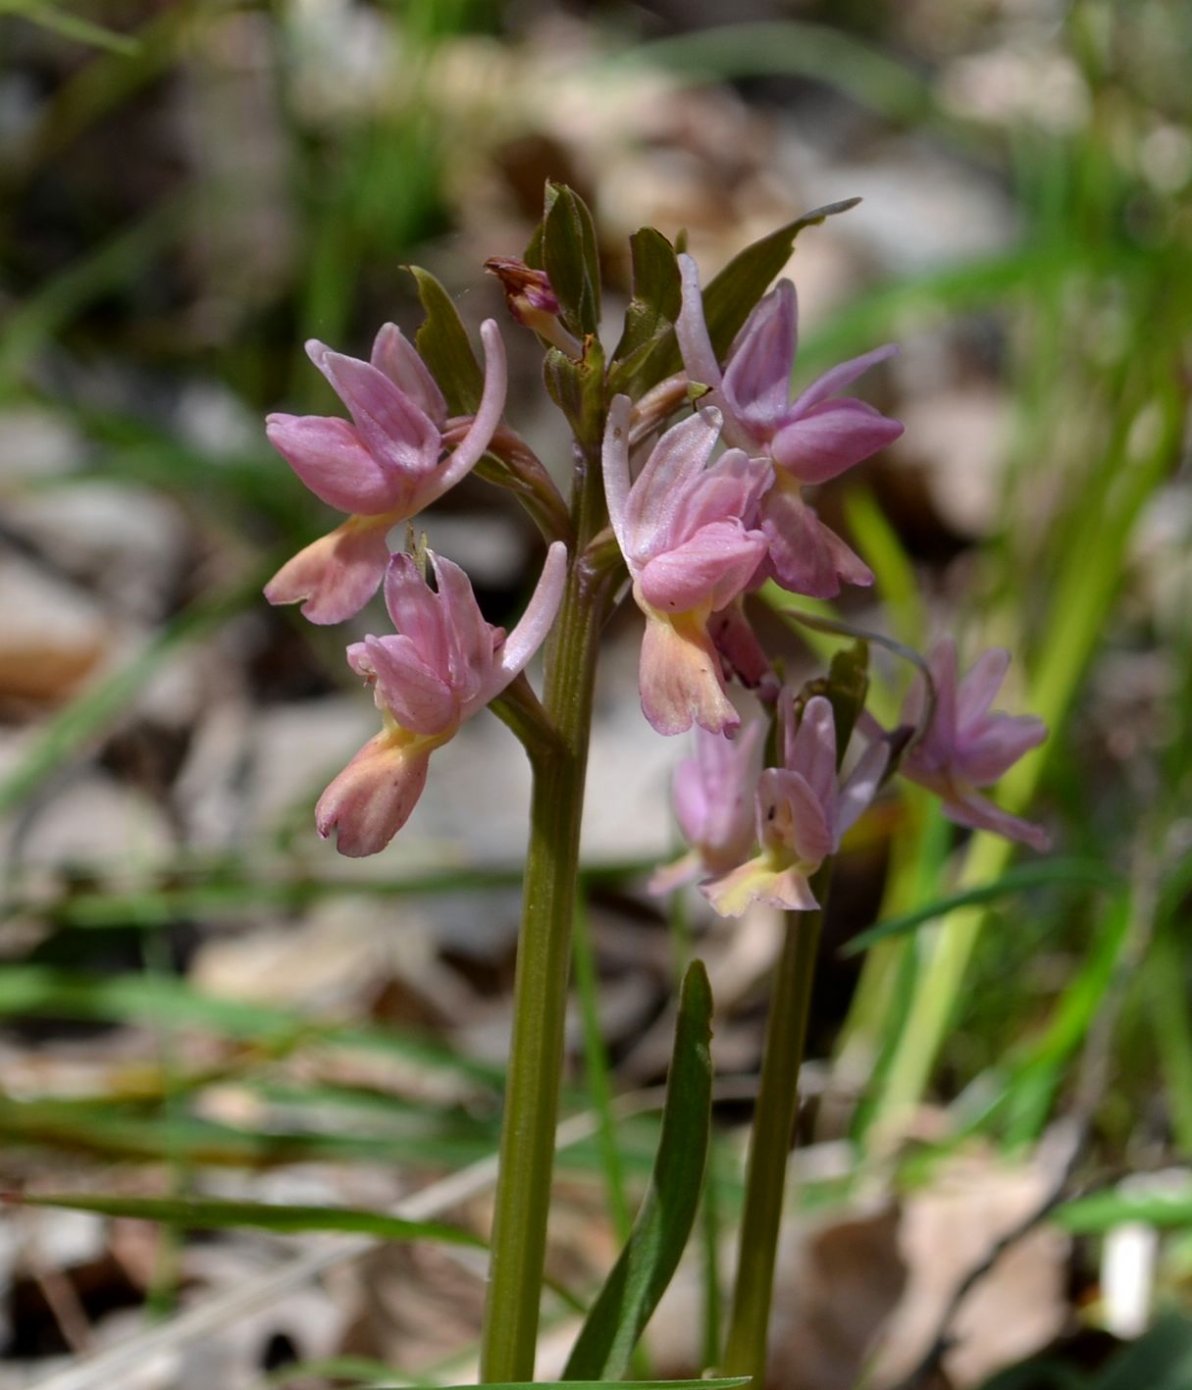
713, 797
802, 812
811, 439
688, 535
382, 468
967, 746
444, 664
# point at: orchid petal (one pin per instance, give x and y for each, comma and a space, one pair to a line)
416, 611
792, 818
806, 557
979, 813
812, 751
536, 621
372, 798
981, 760
394, 355
711, 568
680, 678
407, 685
615, 465
393, 428
657, 497
828, 439
978, 690
757, 378
470, 640
759, 881
335, 575
695, 345
841, 376
858, 791
471, 447
326, 453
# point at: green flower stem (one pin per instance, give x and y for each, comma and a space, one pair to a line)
773, 1121
522, 1196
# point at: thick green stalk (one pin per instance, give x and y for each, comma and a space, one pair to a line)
522, 1197
773, 1121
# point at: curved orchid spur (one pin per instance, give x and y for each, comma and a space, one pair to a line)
811, 439
383, 468
802, 812
443, 665
688, 536
967, 746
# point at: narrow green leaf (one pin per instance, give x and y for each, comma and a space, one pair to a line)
70, 26
572, 261
723, 1383
1080, 872
647, 1263
442, 342
210, 1214
730, 297
1101, 1211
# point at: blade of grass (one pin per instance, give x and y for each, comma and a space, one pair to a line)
1084, 873
70, 26
211, 1214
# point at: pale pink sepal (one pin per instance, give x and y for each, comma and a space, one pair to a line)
680, 678
805, 556
372, 798
335, 576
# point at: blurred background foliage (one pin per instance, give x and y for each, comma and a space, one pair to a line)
191, 188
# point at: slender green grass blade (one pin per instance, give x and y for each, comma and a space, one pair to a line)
648, 1261
70, 26
210, 1214
1082, 873
1102, 1211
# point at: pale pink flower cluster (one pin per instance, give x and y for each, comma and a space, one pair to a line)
445, 662
699, 535
714, 510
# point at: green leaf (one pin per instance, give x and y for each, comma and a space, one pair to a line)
443, 344
730, 298
723, 1383
571, 260
208, 1214
651, 315
1161, 1360
647, 1263
1081, 872
70, 26
1101, 1211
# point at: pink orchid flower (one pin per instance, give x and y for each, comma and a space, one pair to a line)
688, 536
967, 746
802, 810
382, 468
811, 439
444, 664
713, 798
